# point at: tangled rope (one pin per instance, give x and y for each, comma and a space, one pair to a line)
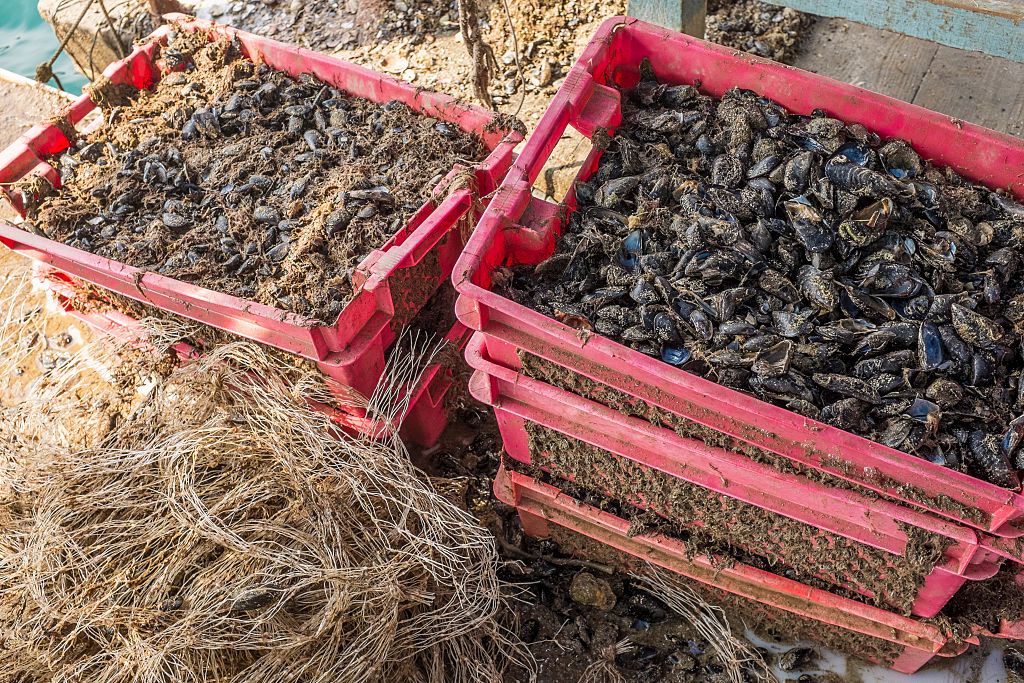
223, 531
482, 55
44, 71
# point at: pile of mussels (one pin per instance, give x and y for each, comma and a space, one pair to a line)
239, 178
806, 262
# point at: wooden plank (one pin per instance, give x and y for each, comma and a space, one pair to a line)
976, 88
965, 85
26, 103
992, 26
886, 62
686, 16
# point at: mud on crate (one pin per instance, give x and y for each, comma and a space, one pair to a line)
774, 604
119, 318
893, 556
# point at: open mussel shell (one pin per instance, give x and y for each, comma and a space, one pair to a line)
930, 352
900, 160
867, 224
676, 355
774, 361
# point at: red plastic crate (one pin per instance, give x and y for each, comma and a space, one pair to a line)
424, 422
353, 347
540, 505
518, 400
518, 229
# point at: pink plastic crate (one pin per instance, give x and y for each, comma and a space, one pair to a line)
425, 421
518, 400
519, 229
540, 505
353, 347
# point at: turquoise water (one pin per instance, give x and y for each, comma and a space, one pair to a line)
26, 41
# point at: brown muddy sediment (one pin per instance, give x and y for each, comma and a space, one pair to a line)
576, 383
987, 603
713, 523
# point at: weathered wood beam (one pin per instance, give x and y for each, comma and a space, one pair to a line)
686, 16
995, 27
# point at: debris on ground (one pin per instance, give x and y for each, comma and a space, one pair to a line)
420, 41
757, 27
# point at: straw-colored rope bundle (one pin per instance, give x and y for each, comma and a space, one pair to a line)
224, 531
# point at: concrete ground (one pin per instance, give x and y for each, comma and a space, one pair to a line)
25, 104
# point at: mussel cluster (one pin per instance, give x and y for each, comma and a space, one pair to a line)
807, 262
240, 178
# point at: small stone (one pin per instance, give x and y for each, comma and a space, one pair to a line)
546, 73
508, 57
587, 589
266, 214
395, 64
408, 75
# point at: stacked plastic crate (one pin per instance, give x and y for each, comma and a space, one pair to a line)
871, 539
392, 283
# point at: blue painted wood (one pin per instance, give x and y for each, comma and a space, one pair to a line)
686, 16
992, 26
